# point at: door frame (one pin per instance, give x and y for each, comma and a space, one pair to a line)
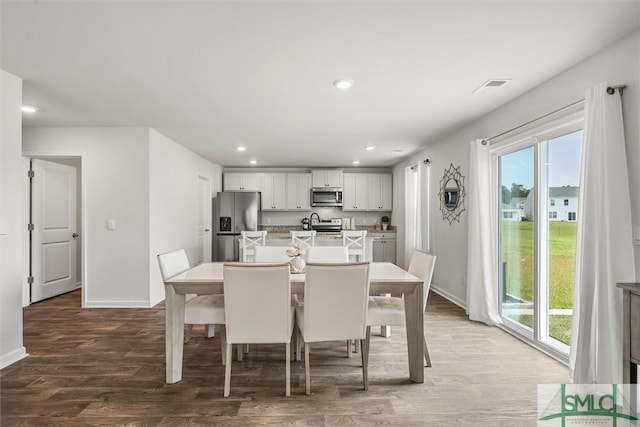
27, 156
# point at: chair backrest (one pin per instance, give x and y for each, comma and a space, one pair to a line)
173, 263
422, 265
308, 237
249, 240
335, 301
257, 303
332, 254
271, 254
354, 240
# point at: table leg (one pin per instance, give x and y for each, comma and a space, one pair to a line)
174, 334
414, 319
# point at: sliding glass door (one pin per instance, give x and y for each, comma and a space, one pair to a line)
538, 184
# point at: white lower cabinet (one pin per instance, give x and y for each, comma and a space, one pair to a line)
384, 247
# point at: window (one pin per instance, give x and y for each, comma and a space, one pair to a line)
537, 255
507, 215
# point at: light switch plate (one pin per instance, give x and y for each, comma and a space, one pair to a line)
111, 224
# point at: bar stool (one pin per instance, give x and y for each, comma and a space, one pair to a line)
354, 241
308, 237
250, 239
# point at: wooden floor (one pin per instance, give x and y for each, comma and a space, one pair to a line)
96, 367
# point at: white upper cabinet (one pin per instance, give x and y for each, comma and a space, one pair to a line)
327, 178
379, 192
298, 192
274, 192
242, 182
354, 196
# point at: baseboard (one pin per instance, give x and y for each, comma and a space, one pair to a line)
457, 301
13, 357
117, 304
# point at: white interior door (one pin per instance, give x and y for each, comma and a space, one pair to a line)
53, 219
204, 220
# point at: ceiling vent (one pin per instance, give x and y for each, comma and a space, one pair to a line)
491, 84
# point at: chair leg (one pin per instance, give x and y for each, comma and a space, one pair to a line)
223, 344
356, 346
210, 330
288, 371
227, 371
239, 352
187, 335
299, 342
349, 348
364, 353
307, 373
426, 353
246, 348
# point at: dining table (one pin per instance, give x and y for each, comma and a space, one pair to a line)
207, 278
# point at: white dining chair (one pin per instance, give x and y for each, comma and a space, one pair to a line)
199, 309
271, 254
389, 311
354, 240
328, 254
249, 240
258, 310
335, 309
307, 237
332, 254
275, 254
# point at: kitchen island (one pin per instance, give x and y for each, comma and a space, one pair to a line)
322, 239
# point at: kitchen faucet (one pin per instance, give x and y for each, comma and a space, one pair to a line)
311, 216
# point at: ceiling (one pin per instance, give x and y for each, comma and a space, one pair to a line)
214, 75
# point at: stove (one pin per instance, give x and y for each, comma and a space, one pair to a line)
326, 224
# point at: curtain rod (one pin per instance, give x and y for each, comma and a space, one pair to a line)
610, 90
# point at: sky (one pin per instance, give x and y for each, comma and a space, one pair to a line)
564, 163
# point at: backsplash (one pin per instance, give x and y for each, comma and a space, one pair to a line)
293, 219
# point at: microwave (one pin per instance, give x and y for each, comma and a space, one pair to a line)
326, 197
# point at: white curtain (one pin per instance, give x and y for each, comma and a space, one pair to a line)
424, 176
413, 204
604, 252
482, 252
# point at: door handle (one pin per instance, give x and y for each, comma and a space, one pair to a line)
74, 235
206, 230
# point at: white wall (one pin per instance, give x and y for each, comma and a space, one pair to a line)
11, 221
618, 64
116, 186
173, 196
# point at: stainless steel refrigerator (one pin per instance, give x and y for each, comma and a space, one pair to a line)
233, 212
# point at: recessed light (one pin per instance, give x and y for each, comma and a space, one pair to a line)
343, 83
253, 162
242, 148
28, 109
369, 148
356, 162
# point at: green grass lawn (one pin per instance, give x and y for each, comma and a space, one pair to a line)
517, 253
